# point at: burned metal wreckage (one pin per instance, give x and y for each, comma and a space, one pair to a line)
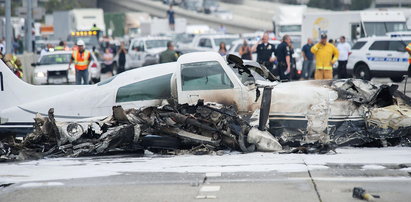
198, 128
303, 116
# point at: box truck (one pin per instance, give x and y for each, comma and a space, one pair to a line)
352, 24
66, 22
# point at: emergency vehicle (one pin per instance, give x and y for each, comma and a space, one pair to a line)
89, 37
352, 24
382, 56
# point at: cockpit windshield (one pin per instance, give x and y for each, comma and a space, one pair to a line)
249, 75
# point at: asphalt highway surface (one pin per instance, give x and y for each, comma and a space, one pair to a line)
229, 176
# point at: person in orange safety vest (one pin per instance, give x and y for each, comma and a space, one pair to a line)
81, 60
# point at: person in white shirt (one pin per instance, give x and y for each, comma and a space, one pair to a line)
2, 48
344, 49
46, 49
108, 61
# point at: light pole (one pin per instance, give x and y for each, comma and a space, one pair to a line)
8, 26
29, 26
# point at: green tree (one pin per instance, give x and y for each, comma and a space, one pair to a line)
326, 4
60, 5
14, 5
314, 3
289, 1
360, 5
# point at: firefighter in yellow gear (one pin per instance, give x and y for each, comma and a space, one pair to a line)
326, 54
14, 64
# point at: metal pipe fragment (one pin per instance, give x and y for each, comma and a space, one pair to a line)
265, 107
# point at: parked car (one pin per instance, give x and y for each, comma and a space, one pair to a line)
223, 14
383, 56
192, 5
211, 42
210, 6
172, 2
51, 68
145, 51
42, 44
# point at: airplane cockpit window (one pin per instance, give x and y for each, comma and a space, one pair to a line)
150, 89
204, 76
247, 78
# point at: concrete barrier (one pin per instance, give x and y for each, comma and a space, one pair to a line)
26, 60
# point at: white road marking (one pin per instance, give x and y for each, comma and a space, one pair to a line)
41, 184
206, 197
210, 188
373, 167
213, 174
201, 197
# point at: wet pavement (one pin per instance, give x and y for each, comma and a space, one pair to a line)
229, 177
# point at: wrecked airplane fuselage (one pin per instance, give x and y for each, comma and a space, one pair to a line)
383, 119
349, 112
345, 112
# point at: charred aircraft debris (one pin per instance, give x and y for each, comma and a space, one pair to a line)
198, 128
386, 119
209, 127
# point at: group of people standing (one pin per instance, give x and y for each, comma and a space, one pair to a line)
324, 53
268, 54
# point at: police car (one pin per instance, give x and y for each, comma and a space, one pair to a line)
51, 68
145, 51
382, 56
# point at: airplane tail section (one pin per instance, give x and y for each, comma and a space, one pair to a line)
13, 90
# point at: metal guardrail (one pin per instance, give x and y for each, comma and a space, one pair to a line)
157, 9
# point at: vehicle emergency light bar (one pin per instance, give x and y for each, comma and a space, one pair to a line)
84, 33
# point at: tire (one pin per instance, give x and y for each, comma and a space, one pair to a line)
362, 72
397, 79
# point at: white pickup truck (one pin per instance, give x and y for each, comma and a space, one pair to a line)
145, 51
211, 42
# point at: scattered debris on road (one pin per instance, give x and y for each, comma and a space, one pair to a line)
362, 194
